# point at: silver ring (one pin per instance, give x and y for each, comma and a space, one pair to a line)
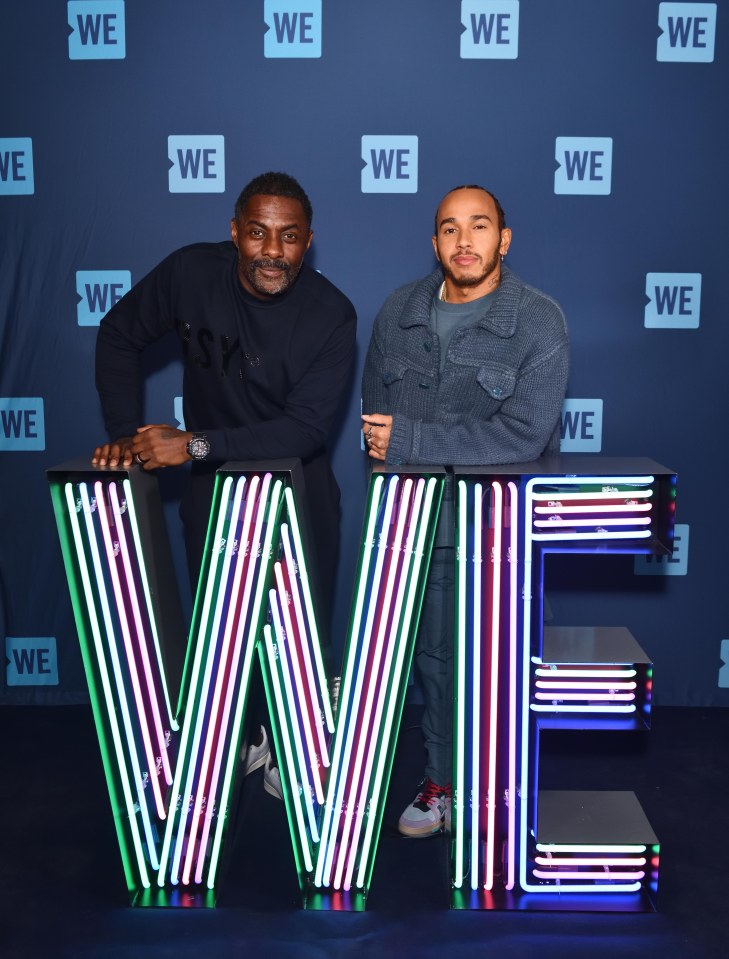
369, 433
139, 459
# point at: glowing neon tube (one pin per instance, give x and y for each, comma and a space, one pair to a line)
345, 695
200, 652
285, 662
309, 606
365, 714
395, 636
605, 876
363, 649
195, 782
289, 748
118, 678
458, 811
624, 507
513, 676
244, 572
290, 652
544, 684
590, 847
131, 659
140, 633
316, 693
592, 697
213, 734
273, 500
605, 861
598, 534
494, 694
139, 552
476, 681
424, 520
582, 709
142, 874
595, 672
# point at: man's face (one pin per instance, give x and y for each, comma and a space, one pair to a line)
272, 237
468, 243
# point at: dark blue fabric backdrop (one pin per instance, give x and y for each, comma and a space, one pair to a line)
128, 129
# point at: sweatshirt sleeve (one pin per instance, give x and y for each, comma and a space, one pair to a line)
142, 316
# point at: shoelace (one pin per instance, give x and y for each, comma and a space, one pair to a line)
431, 791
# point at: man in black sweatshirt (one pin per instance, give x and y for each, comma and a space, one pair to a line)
267, 345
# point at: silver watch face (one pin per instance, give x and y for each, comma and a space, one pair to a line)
198, 447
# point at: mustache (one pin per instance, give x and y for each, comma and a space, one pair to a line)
271, 265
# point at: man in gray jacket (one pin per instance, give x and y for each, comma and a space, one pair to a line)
465, 367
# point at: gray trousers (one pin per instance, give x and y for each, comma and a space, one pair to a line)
434, 664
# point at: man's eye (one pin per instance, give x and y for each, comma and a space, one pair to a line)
291, 237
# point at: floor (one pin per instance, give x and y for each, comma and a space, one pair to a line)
63, 895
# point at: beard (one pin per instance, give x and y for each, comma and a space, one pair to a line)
472, 279
270, 286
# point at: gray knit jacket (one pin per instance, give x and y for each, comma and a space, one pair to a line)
499, 397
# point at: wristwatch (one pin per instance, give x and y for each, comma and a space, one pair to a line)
198, 447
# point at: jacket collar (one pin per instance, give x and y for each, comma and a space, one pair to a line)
500, 318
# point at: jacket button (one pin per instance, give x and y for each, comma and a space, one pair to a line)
427, 347
498, 391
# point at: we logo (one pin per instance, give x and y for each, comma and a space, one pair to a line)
688, 32
96, 30
293, 28
16, 166
98, 291
171, 779
389, 164
197, 164
674, 301
584, 165
490, 29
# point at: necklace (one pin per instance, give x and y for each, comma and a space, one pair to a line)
443, 296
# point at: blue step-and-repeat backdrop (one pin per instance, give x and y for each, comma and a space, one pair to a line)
127, 130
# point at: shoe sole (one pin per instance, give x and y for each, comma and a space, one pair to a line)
420, 834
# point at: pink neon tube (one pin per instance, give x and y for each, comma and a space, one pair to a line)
131, 661
513, 640
306, 717
382, 682
213, 734
365, 721
237, 613
304, 635
498, 520
363, 644
144, 652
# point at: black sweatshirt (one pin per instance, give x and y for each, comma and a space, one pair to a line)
262, 378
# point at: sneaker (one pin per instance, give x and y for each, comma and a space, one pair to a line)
255, 755
429, 813
272, 779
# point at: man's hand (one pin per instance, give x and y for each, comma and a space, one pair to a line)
160, 445
118, 453
377, 428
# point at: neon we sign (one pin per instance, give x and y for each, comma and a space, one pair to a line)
173, 773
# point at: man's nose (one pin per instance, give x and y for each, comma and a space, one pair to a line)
273, 246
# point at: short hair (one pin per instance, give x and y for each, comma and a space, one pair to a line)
274, 184
475, 186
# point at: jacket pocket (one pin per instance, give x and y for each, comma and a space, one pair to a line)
498, 381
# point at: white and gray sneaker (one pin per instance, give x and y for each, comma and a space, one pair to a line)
255, 755
429, 813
